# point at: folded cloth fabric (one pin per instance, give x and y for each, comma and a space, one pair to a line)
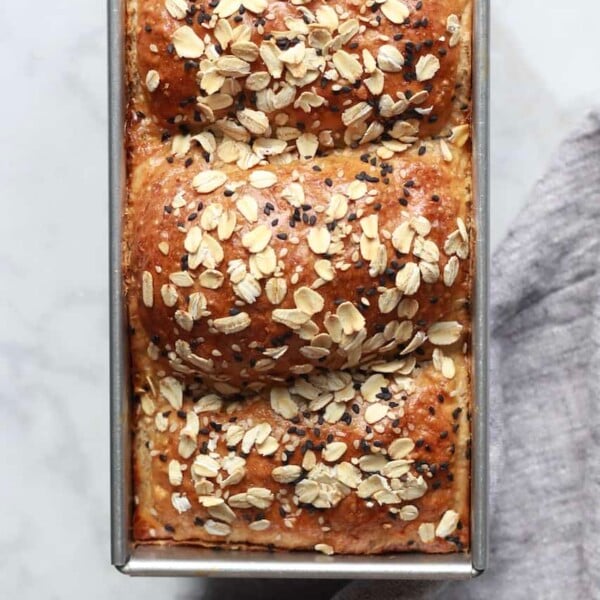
545, 401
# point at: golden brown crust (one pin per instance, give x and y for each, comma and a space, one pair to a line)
176, 92
297, 273
392, 194
431, 411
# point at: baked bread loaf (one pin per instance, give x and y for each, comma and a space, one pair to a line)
328, 68
383, 469
298, 273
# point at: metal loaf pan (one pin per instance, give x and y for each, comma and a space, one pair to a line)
193, 561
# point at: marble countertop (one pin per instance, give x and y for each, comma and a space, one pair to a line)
53, 264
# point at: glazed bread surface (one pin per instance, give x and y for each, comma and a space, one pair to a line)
331, 68
297, 258
380, 468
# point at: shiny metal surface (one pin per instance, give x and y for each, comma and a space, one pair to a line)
196, 561
480, 446
189, 561
119, 377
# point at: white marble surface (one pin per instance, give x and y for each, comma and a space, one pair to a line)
53, 264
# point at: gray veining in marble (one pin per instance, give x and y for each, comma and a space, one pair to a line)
53, 264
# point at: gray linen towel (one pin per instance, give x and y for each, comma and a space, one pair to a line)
545, 423
545, 526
